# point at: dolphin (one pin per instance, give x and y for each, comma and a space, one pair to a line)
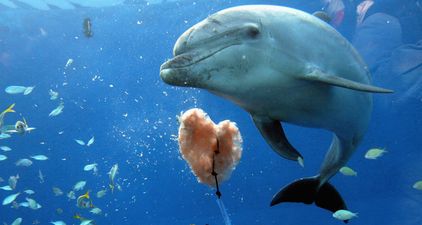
282, 65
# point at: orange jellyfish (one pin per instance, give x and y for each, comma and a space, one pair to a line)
208, 147
211, 150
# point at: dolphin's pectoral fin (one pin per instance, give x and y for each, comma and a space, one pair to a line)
273, 133
319, 76
307, 191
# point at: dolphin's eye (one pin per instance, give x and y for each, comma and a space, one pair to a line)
253, 32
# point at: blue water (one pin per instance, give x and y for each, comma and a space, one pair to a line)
132, 115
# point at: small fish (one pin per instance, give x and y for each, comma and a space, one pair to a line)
361, 10
347, 171
86, 222
9, 199
6, 188
58, 222
90, 142
4, 136
40, 176
57, 191
24, 162
57, 111
344, 215
53, 94
13, 180
71, 195
29, 192
80, 142
374, 153
15, 89
90, 167
68, 63
5, 148
3, 114
95, 210
21, 127
33, 204
3, 157
17, 221
24, 204
418, 185
79, 185
28, 90
87, 25
59, 210
112, 174
101, 193
84, 201
39, 157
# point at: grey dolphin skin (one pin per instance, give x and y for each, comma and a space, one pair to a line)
282, 65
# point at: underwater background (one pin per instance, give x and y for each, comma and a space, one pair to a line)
112, 91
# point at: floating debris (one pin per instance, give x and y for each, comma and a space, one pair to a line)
39, 157
58, 222
418, 185
24, 162
57, 111
374, 153
5, 148
347, 171
79, 186
9, 199
344, 215
53, 94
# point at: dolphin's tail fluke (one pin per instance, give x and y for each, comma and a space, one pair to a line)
308, 191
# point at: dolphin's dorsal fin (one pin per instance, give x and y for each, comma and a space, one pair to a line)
273, 133
322, 16
319, 76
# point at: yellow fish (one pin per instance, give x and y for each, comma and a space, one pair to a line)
9, 109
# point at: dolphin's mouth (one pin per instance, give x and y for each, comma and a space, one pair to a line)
190, 58
178, 70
